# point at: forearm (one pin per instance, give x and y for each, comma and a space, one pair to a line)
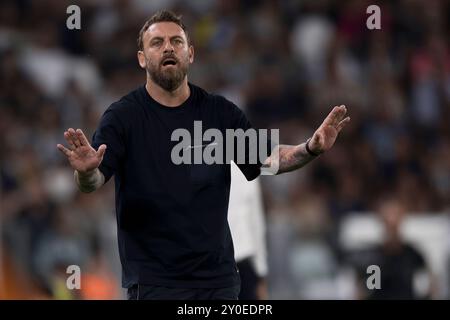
288, 158
89, 182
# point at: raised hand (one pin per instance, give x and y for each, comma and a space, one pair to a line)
81, 155
325, 136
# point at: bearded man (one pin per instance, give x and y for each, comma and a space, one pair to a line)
173, 234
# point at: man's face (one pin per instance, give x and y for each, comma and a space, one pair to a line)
392, 214
166, 55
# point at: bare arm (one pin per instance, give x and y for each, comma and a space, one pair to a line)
84, 159
288, 158
89, 181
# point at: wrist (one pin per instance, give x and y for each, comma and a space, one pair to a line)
311, 152
86, 174
89, 181
85, 177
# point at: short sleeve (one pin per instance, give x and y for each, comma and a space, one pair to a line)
110, 132
251, 170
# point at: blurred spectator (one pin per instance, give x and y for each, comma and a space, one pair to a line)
403, 269
248, 230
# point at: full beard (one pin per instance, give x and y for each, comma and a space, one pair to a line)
169, 79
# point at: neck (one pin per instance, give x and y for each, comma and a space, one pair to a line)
393, 242
168, 98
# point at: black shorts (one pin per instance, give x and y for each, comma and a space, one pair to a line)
149, 292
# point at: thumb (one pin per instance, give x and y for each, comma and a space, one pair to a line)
315, 144
101, 151
315, 140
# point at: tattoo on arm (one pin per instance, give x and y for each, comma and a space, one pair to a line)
289, 158
88, 182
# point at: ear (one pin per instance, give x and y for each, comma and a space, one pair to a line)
141, 59
191, 54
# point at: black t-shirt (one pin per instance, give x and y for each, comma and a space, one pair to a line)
172, 219
398, 270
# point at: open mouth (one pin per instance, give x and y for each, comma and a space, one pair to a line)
169, 62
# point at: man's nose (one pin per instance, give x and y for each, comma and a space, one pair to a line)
168, 47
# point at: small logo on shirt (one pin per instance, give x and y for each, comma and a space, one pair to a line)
202, 145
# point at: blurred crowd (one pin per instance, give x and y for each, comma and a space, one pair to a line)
286, 63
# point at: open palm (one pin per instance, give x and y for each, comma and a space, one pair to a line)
325, 136
81, 155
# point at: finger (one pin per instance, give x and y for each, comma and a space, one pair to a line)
101, 150
69, 140
343, 123
74, 136
341, 113
82, 138
330, 117
63, 149
335, 116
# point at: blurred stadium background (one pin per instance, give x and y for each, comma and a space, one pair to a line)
286, 63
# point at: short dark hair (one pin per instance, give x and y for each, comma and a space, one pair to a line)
160, 16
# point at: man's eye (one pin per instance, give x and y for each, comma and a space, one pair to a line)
156, 43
